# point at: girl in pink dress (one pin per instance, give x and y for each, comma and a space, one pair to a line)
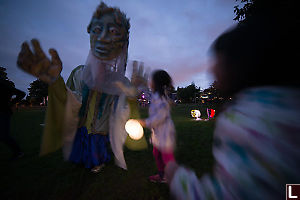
161, 124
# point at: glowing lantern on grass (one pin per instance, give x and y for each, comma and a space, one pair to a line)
134, 129
211, 113
196, 114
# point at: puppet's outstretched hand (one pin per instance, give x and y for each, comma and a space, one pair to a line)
139, 78
37, 64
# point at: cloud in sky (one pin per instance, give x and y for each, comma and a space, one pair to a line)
172, 34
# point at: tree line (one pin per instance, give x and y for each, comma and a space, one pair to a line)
38, 90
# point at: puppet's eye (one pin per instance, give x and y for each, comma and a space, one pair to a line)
114, 31
97, 29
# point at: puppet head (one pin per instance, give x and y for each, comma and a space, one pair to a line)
106, 62
109, 32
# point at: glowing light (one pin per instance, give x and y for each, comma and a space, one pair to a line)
196, 114
134, 129
211, 113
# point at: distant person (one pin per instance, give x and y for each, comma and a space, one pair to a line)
6, 103
257, 136
163, 131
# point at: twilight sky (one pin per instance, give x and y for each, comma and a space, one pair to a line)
174, 35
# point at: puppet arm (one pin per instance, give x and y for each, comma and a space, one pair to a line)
52, 137
64, 102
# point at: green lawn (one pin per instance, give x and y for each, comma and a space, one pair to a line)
49, 177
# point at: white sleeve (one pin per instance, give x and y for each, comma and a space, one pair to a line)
117, 134
71, 120
159, 116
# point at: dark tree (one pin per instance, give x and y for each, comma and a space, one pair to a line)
188, 94
38, 91
3, 76
242, 13
213, 90
287, 9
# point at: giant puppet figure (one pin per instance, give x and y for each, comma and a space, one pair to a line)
89, 111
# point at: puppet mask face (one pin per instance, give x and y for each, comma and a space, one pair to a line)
107, 38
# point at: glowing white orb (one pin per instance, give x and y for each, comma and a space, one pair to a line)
134, 129
195, 114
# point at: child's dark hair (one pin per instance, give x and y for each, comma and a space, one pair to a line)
162, 82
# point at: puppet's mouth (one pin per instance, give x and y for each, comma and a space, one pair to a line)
102, 50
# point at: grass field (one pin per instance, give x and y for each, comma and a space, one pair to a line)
49, 177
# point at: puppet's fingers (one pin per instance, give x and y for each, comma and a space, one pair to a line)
55, 59
25, 58
146, 74
134, 68
38, 51
141, 69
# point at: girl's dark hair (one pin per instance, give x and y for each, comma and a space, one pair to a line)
259, 52
162, 82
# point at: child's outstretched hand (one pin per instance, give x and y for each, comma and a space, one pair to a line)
142, 122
